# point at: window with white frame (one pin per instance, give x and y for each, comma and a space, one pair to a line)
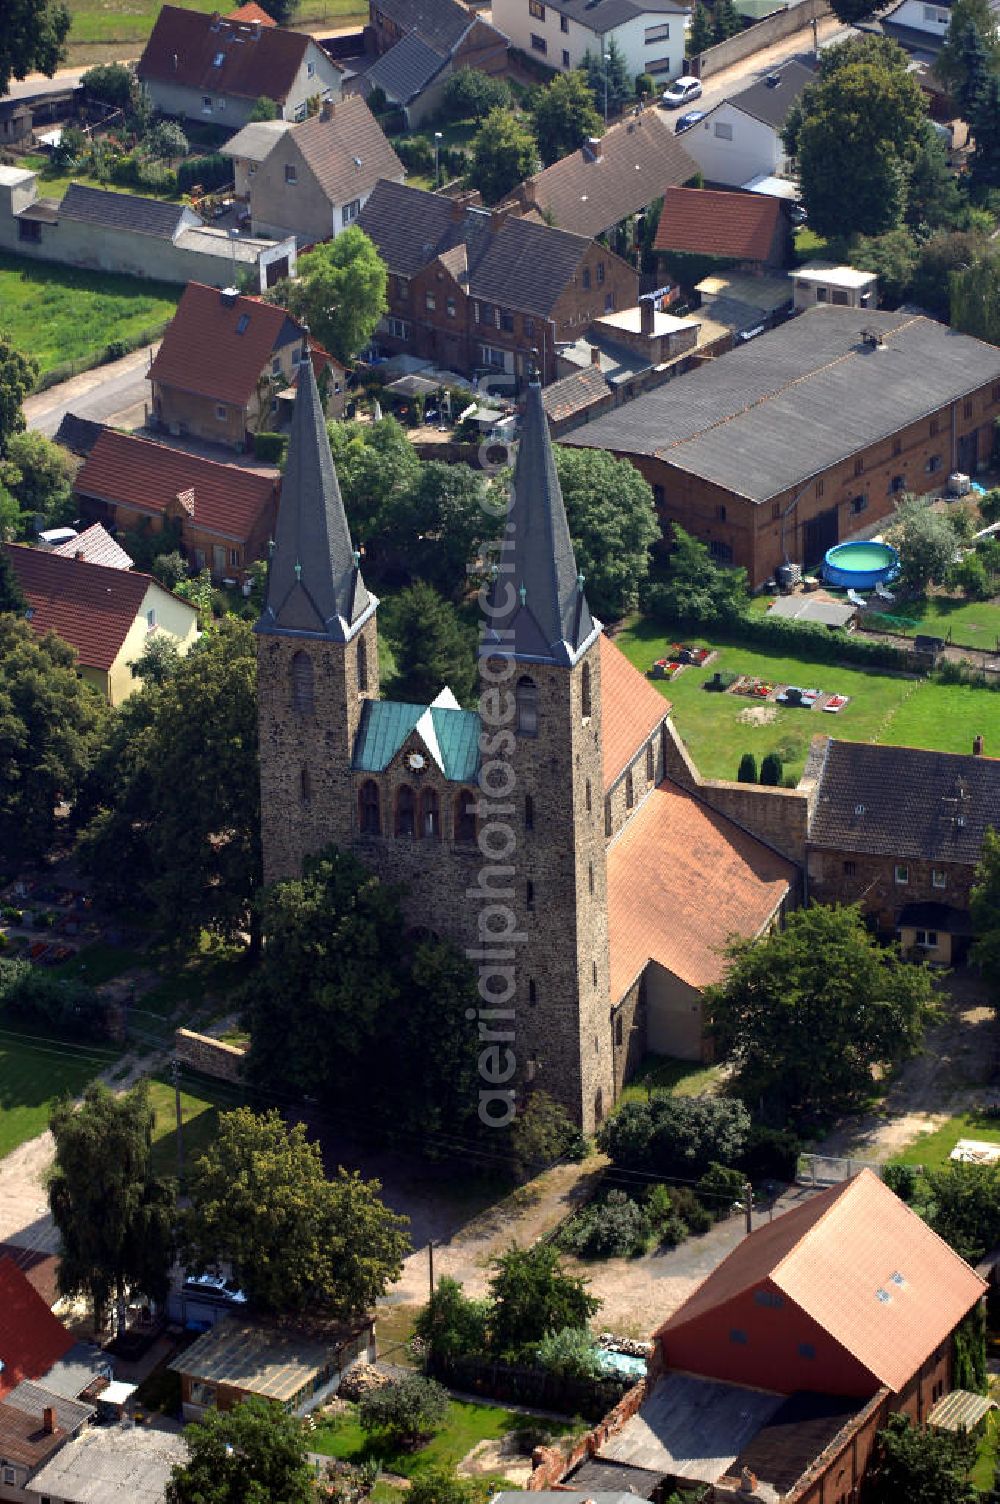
659, 33
495, 359
398, 328
221, 412
927, 939
291, 173
9, 1475
206, 104
539, 44
938, 878
350, 211
723, 130
902, 875
536, 9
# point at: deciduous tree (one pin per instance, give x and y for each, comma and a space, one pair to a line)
378, 468
114, 1216
50, 729
294, 1240
926, 539
43, 483
11, 594
695, 587
984, 907
471, 94
533, 1296
406, 1410
433, 647
975, 299
252, 1454
807, 1014
676, 1136
32, 38
918, 1463
441, 521
609, 507
962, 1204
565, 116
340, 292
504, 153
952, 62
18, 373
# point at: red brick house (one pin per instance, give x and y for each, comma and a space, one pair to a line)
751, 230
478, 290
31, 1338
224, 513
780, 449
225, 361
901, 830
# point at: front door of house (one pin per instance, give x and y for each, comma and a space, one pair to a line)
821, 533
968, 452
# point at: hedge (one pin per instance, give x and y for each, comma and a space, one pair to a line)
72, 1008
270, 447
209, 172
798, 639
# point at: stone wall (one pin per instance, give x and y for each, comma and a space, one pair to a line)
784, 23
554, 1465
855, 877
208, 1056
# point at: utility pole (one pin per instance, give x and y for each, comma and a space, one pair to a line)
175, 1076
607, 59
748, 1204
430, 1263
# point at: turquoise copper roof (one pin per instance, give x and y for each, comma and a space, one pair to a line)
450, 734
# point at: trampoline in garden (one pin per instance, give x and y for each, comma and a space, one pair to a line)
860, 566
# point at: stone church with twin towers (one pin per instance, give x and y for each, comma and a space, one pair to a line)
623, 883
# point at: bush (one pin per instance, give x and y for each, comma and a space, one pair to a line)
68, 1007
270, 447
645, 86
770, 1154
901, 1180
406, 1410
747, 772
470, 93
210, 172
971, 577
416, 154
170, 568
166, 139
771, 771
720, 1190
693, 1215
450, 1323
571, 1353
616, 1227
111, 83
676, 1136
543, 1133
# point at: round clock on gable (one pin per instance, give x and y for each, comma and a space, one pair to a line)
416, 762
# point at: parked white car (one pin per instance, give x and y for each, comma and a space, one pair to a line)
681, 91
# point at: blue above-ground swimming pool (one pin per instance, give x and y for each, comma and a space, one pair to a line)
860, 565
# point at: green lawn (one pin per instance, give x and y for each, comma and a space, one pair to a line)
932, 1149
106, 29
60, 313
883, 708
683, 1078
53, 184
983, 1475
466, 1424
34, 1072
971, 624
199, 1113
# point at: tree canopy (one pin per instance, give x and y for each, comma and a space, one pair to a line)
51, 724
926, 539
472, 94
441, 520
532, 1296
261, 1203
18, 372
952, 62
11, 595
433, 647
676, 1136
114, 1216
806, 1014
339, 999
39, 474
252, 1454
32, 38
340, 292
173, 804
855, 134
984, 907
504, 153
609, 507
921, 1463
565, 116
975, 299
607, 74
694, 587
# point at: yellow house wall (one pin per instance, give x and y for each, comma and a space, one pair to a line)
176, 618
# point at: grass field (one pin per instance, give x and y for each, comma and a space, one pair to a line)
466, 1424
971, 624
932, 1149
53, 184
199, 1114
883, 708
33, 1074
105, 29
682, 1078
60, 314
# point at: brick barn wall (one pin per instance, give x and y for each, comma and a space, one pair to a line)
851, 877
208, 1056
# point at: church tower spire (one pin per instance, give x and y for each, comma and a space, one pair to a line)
317, 653
314, 583
538, 605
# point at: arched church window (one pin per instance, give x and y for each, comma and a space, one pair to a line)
590, 797
629, 790
650, 763
585, 691
430, 815
369, 812
405, 812
529, 812
362, 665
526, 699
302, 683
465, 816
305, 786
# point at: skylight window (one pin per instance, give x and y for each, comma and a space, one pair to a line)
896, 1278
218, 59
243, 323
883, 1296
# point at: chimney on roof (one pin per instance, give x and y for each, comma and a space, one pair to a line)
978, 747
647, 315
256, 29
499, 215
326, 110
748, 1481
49, 1420
228, 296
592, 149
595, 356
216, 20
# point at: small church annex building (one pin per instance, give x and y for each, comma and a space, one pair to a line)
623, 883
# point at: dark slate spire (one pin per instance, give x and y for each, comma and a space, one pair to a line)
314, 584
538, 607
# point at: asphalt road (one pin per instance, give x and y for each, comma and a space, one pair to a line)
117, 390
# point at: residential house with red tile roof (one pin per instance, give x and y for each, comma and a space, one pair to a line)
222, 515
314, 178
605, 181
225, 361
106, 615
748, 230
203, 66
772, 1380
31, 1338
251, 12
95, 545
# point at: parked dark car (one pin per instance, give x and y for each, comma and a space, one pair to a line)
685, 121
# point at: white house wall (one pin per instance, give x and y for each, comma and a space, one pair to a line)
933, 19
753, 149
566, 49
